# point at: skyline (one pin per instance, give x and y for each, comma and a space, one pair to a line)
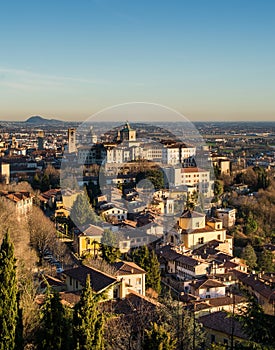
209, 61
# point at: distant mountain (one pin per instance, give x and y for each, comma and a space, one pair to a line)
40, 120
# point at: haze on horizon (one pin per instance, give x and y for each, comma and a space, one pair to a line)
209, 60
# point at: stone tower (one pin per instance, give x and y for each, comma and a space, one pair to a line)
71, 140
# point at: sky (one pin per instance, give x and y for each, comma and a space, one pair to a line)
207, 59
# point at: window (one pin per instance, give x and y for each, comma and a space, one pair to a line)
138, 280
201, 240
71, 281
76, 284
115, 293
213, 338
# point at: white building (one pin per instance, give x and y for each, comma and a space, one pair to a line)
227, 215
191, 177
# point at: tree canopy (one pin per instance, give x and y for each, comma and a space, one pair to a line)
149, 262
82, 212
109, 247
88, 322
8, 296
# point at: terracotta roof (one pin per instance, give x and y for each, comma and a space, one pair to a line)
191, 214
132, 303
130, 222
16, 196
69, 298
193, 170
207, 249
214, 220
52, 281
48, 194
91, 230
223, 257
99, 279
208, 283
226, 300
188, 260
255, 284
168, 253
230, 265
127, 268
220, 321
206, 228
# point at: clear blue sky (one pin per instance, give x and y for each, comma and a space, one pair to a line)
208, 59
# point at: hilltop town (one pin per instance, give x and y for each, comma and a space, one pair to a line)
154, 219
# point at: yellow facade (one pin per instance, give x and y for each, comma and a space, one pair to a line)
88, 245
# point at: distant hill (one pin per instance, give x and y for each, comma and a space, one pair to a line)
40, 120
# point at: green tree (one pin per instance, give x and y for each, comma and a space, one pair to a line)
251, 225
108, 247
218, 188
149, 262
54, 330
262, 178
186, 329
259, 327
265, 261
53, 175
93, 191
45, 183
88, 322
82, 212
158, 339
153, 272
155, 176
8, 296
36, 183
249, 256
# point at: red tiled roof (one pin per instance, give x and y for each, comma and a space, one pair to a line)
191, 214
220, 321
208, 283
255, 284
127, 268
99, 280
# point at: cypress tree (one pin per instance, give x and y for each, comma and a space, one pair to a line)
153, 274
109, 250
88, 322
158, 339
265, 261
8, 295
249, 256
82, 212
54, 332
19, 340
149, 262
